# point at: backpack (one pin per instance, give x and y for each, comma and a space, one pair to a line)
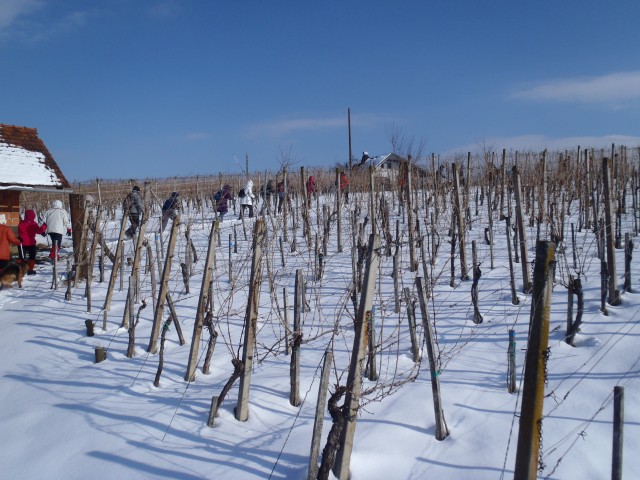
242, 193
217, 196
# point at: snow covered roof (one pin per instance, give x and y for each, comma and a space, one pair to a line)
25, 162
378, 161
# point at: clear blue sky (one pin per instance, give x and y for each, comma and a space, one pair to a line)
135, 88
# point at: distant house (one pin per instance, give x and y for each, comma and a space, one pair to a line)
388, 166
25, 165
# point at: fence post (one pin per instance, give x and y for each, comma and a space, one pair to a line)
535, 364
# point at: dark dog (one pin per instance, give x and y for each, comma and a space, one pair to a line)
13, 272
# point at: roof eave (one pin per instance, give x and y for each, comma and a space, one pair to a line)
36, 188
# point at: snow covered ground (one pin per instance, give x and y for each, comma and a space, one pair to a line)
64, 416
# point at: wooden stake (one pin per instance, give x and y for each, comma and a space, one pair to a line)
613, 292
164, 287
535, 367
354, 379
251, 319
189, 376
442, 431
618, 430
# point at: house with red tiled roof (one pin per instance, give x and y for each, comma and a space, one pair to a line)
25, 165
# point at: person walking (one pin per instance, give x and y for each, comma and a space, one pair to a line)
169, 210
57, 221
28, 228
134, 205
281, 195
344, 186
246, 200
311, 188
7, 238
222, 202
271, 190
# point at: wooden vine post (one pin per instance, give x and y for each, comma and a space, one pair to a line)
535, 364
285, 204
522, 235
512, 277
618, 432
164, 287
511, 369
442, 431
204, 299
135, 270
92, 257
251, 320
413, 262
338, 210
319, 418
114, 270
294, 367
460, 215
79, 215
628, 256
613, 292
358, 358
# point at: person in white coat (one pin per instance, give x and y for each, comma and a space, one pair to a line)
246, 201
58, 222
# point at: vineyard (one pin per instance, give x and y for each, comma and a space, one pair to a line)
379, 334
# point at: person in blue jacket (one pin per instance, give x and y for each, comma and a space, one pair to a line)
169, 210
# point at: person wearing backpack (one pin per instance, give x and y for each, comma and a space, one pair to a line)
222, 205
169, 210
246, 201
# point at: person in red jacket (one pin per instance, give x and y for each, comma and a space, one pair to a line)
27, 230
311, 189
7, 237
344, 186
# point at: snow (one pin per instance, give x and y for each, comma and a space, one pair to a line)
24, 167
64, 416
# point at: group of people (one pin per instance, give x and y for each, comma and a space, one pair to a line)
56, 219
56, 223
248, 199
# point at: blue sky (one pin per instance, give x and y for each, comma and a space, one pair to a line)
134, 89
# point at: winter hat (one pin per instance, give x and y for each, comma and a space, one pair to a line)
174, 194
136, 189
56, 204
